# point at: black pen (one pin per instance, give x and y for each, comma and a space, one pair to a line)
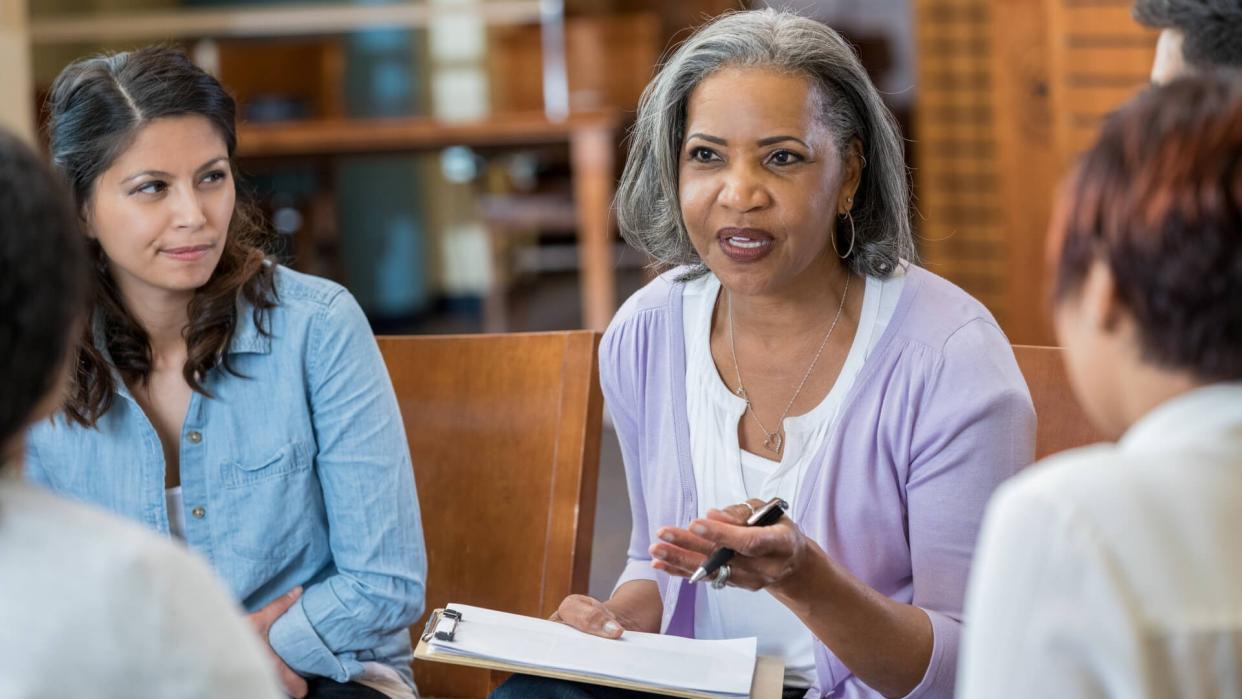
769, 514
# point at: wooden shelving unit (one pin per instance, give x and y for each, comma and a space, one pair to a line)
591, 137
260, 21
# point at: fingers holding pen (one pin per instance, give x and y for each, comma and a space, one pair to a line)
679, 551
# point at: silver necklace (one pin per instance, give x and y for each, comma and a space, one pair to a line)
773, 440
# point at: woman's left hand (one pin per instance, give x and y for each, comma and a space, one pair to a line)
766, 557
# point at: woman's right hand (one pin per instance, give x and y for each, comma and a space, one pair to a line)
588, 615
262, 620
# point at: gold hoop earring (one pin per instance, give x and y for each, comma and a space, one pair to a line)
853, 236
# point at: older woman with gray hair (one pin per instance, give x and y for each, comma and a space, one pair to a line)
795, 352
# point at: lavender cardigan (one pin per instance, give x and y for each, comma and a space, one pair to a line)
937, 418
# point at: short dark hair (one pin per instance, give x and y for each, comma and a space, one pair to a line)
1211, 29
43, 274
96, 108
1158, 199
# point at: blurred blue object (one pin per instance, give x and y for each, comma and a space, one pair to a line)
381, 226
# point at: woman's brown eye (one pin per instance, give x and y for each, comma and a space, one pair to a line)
784, 157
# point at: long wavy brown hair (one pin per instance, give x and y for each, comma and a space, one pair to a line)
96, 107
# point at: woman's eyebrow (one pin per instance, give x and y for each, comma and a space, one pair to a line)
778, 139
153, 173
212, 162
713, 139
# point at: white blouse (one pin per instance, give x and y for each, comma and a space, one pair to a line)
93, 606
724, 474
1114, 570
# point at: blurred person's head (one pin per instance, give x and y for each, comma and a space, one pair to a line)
43, 285
146, 141
1194, 35
1147, 244
763, 152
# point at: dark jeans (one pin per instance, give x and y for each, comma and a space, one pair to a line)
529, 687
324, 688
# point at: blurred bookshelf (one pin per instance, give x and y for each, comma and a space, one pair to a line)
429, 154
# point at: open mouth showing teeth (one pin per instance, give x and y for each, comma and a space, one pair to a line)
747, 243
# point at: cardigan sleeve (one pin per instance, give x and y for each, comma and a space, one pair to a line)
619, 356
974, 427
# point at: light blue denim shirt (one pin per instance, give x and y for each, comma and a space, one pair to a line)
297, 474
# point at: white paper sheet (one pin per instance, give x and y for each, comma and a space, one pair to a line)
722, 668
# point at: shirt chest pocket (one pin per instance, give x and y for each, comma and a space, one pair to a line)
274, 505
286, 461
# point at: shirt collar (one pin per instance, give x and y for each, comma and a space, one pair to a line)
1199, 416
246, 335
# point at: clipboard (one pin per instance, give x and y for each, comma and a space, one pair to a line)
767, 683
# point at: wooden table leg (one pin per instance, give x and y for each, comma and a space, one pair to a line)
592, 153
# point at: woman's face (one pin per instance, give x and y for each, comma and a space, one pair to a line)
761, 181
161, 212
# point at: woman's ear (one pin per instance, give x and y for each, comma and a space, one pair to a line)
84, 219
852, 165
1100, 301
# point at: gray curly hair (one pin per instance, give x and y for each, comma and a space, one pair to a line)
648, 210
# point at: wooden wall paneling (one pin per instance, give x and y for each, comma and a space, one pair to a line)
1027, 160
1099, 58
1009, 93
959, 221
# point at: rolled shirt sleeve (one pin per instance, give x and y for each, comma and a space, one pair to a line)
375, 531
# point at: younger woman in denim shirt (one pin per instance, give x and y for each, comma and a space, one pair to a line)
226, 400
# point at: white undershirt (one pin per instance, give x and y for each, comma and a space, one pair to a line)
176, 512
725, 475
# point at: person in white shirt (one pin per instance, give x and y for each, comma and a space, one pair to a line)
1116, 570
90, 605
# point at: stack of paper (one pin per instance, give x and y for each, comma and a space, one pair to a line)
712, 668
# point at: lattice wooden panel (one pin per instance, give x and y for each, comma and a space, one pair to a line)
956, 176
1009, 92
1100, 57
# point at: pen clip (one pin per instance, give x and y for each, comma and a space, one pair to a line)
758, 515
441, 625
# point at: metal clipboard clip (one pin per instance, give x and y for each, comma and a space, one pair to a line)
441, 625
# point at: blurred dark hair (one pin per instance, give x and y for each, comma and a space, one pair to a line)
1211, 29
96, 108
1158, 199
43, 282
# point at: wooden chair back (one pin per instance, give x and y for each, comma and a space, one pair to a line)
1062, 422
504, 434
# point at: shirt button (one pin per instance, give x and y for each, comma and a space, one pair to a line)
199, 512
195, 437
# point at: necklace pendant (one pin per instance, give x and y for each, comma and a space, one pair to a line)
774, 442
741, 391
